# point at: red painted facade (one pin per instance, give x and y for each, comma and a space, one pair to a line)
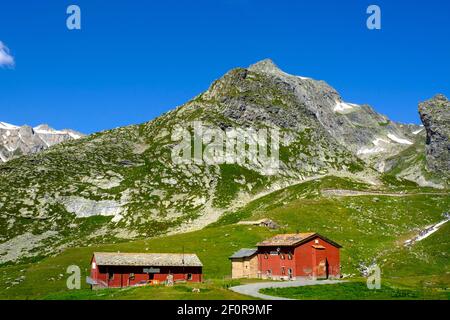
125, 276
315, 258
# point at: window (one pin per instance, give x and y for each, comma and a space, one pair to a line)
290, 256
110, 276
94, 265
317, 241
266, 256
189, 276
282, 257
132, 276
283, 270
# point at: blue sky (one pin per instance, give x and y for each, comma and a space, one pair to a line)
134, 60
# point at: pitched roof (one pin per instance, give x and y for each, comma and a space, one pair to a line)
147, 259
244, 253
292, 239
289, 239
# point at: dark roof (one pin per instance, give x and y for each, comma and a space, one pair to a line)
244, 253
147, 259
293, 239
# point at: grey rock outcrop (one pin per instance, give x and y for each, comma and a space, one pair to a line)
265, 93
435, 115
16, 141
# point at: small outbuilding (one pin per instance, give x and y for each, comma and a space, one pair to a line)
118, 270
244, 264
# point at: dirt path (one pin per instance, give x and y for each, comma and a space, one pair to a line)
355, 193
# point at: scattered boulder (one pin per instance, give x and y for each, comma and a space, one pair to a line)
435, 115
262, 223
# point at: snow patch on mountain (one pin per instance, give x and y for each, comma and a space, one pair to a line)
379, 141
45, 129
428, 231
72, 134
370, 150
7, 126
344, 107
394, 138
378, 147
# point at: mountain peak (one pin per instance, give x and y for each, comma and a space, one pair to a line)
266, 66
440, 97
43, 127
438, 103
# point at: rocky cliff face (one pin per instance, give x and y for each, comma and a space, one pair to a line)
435, 115
16, 141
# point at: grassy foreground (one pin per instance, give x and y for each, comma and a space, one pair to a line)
356, 291
216, 290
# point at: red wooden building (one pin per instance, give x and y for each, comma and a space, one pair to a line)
118, 270
289, 256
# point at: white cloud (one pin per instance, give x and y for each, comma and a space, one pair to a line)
6, 59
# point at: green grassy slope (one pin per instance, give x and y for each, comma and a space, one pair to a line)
354, 290
411, 164
369, 227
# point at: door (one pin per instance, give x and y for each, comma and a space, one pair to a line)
321, 265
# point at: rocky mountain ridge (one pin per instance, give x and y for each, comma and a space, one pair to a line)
23, 140
369, 135
435, 115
